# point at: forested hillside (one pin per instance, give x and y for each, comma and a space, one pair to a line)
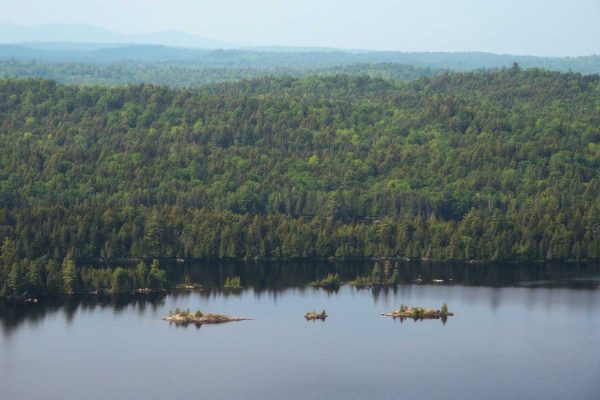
284, 57
193, 75
489, 166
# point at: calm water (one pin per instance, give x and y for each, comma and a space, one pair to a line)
520, 332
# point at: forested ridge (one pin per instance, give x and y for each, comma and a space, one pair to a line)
183, 75
490, 166
281, 57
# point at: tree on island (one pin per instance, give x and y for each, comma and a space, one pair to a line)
444, 310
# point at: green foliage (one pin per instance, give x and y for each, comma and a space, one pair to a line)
417, 312
494, 166
47, 276
152, 240
120, 281
444, 310
8, 251
362, 281
376, 273
141, 273
394, 279
186, 69
378, 276
69, 274
157, 278
232, 283
53, 277
331, 281
16, 280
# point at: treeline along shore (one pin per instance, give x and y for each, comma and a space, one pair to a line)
500, 165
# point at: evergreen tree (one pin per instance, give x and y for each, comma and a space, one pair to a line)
153, 235
53, 277
119, 281
69, 274
9, 251
141, 272
16, 280
157, 278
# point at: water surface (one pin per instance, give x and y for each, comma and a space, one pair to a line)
528, 332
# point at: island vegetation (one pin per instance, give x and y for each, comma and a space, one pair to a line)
181, 317
188, 284
417, 313
313, 315
331, 282
26, 278
388, 276
234, 283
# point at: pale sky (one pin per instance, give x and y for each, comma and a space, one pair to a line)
537, 27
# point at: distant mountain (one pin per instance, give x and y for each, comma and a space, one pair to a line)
277, 58
81, 33
58, 52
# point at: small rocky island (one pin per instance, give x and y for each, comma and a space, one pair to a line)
186, 317
331, 282
233, 284
417, 313
313, 315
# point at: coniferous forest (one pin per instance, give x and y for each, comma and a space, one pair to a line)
501, 165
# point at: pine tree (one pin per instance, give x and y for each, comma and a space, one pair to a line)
69, 273
53, 277
141, 273
9, 251
153, 235
119, 282
16, 280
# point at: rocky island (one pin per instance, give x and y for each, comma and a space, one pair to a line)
186, 317
313, 315
331, 282
420, 312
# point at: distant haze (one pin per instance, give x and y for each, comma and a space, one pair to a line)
536, 27
80, 33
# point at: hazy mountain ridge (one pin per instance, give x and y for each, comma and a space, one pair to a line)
55, 43
11, 33
248, 58
191, 76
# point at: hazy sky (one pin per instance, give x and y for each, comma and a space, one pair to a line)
540, 27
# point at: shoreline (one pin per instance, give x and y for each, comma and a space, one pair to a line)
415, 260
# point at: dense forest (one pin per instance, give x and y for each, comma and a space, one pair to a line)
285, 57
23, 277
498, 165
192, 75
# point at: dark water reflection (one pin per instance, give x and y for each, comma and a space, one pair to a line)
277, 275
520, 331
274, 278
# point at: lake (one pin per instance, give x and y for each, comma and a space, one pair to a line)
520, 331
